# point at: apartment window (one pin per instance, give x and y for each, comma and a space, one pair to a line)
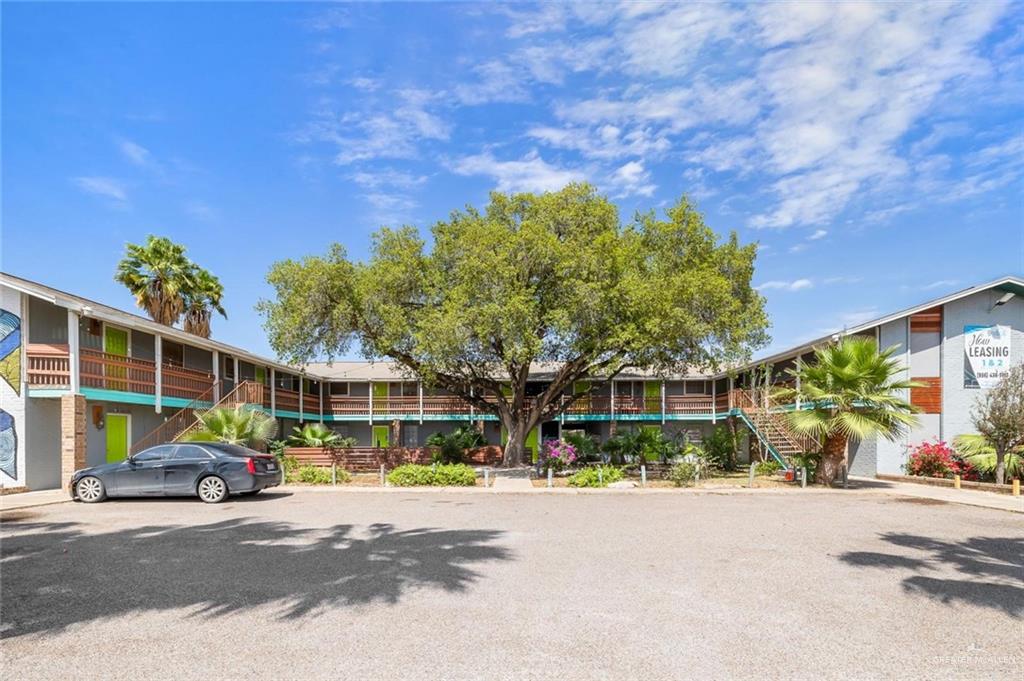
410, 435
409, 389
624, 388
339, 388
173, 353
696, 388
229, 365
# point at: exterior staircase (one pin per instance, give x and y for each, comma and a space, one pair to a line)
770, 427
186, 420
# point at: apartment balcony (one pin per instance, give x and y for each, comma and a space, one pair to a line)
49, 366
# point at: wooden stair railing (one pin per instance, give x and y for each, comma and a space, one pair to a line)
772, 426
185, 420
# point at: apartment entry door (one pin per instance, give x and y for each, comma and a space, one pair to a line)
381, 436
117, 427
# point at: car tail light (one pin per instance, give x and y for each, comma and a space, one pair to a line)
250, 465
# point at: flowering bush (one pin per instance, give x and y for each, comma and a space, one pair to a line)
939, 460
557, 455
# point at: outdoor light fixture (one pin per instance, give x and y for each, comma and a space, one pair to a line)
1007, 297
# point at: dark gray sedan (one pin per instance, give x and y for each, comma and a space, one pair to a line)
209, 470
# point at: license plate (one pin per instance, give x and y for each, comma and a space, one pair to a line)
271, 466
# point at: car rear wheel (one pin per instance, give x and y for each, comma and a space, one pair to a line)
212, 489
90, 489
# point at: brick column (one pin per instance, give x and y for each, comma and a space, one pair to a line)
72, 436
396, 433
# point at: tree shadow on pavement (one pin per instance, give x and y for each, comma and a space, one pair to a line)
56, 575
988, 571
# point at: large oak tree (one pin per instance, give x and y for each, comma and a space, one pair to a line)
553, 279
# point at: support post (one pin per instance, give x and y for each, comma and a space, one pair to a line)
419, 395
803, 477
1016, 487
663, 403
798, 391
158, 355
750, 479
383, 480
643, 475
321, 403
72, 436
612, 403
471, 410
956, 482
74, 365
714, 400
370, 402
273, 392
732, 387
551, 477
238, 379
216, 376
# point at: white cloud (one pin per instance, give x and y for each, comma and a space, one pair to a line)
531, 173
200, 210
136, 153
387, 178
106, 187
391, 209
395, 133
795, 285
940, 283
632, 179
364, 83
818, 234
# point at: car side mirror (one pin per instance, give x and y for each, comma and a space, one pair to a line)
130, 460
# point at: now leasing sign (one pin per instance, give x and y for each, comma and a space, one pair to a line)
986, 355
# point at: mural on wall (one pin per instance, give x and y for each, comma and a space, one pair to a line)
8, 445
10, 349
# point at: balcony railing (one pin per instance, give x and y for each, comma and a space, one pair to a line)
49, 366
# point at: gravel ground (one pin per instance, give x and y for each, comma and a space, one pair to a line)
405, 585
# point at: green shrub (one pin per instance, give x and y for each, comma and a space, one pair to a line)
767, 468
589, 477
682, 473
314, 475
720, 448
442, 475
587, 447
451, 447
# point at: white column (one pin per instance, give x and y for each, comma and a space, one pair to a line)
321, 403
273, 392
471, 410
73, 353
731, 388
663, 403
714, 400
370, 405
25, 322
798, 391
216, 376
237, 377
419, 393
158, 354
613, 398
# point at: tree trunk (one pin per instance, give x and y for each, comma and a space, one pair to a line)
515, 447
833, 455
1000, 467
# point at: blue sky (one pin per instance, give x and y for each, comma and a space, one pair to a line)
876, 152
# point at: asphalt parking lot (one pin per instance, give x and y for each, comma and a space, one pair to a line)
311, 585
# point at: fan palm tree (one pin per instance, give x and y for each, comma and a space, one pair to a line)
157, 274
978, 452
241, 425
850, 390
202, 294
314, 435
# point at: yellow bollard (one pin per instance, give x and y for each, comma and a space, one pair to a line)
1016, 487
956, 482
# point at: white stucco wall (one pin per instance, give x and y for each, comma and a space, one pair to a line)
891, 456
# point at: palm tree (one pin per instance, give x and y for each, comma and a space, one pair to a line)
241, 425
977, 451
314, 435
203, 294
157, 274
850, 390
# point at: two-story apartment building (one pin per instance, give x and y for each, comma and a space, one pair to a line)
82, 383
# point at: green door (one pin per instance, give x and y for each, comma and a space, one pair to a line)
115, 342
652, 397
381, 436
117, 437
261, 375
380, 398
